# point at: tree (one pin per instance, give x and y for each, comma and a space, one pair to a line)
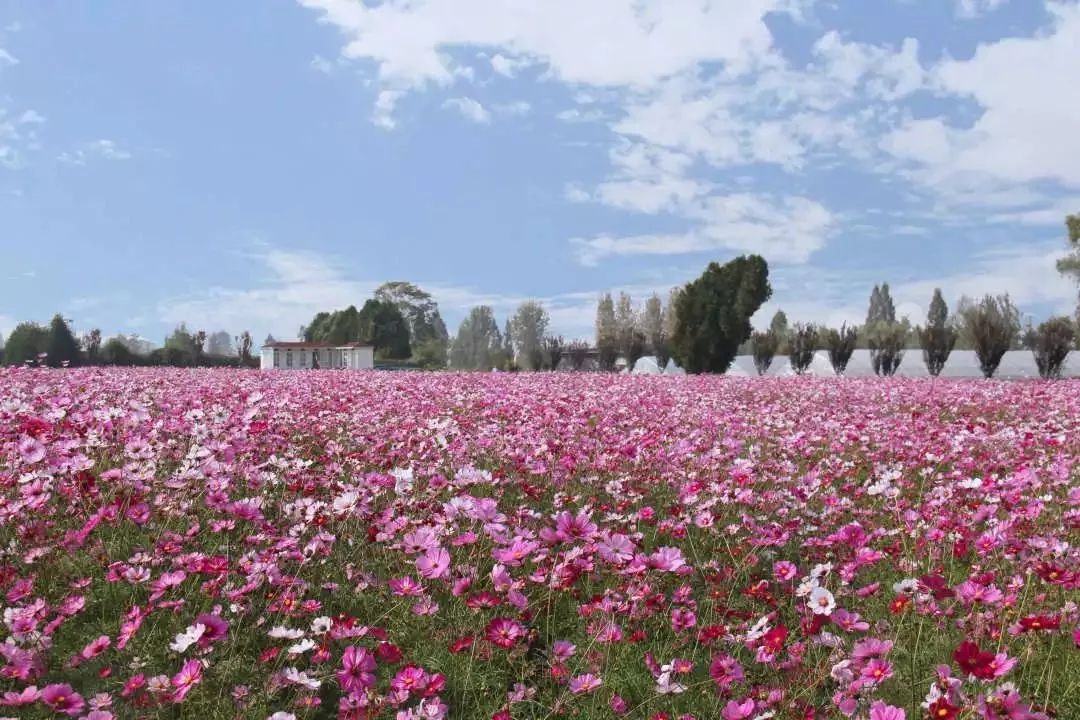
652, 325
992, 325
509, 361
607, 334
714, 313
840, 345
887, 341
243, 348
382, 325
635, 348
219, 343
881, 307
779, 328
62, 347
116, 352
478, 343
938, 337
428, 335
802, 344
25, 343
553, 350
91, 344
579, 353
763, 346
625, 324
528, 328
199, 342
1050, 344
179, 348
1, 348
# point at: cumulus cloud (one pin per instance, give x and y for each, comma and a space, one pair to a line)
103, 149
470, 109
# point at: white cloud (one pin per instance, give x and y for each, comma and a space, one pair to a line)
603, 42
321, 64
518, 107
104, 149
470, 109
7, 58
969, 9
787, 230
507, 66
1025, 131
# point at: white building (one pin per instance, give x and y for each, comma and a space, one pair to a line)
313, 356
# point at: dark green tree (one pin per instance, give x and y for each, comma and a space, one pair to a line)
25, 343
887, 341
763, 346
554, 347
713, 314
62, 347
1050, 343
116, 352
881, 307
779, 328
992, 326
383, 325
607, 333
803, 341
579, 353
938, 337
528, 328
840, 345
427, 331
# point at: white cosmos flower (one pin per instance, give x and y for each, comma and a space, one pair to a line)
301, 647
296, 677
321, 625
806, 587
278, 632
822, 601
187, 638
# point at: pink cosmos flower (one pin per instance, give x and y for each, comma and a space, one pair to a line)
406, 587
725, 671
435, 563
667, 559
738, 710
784, 570
215, 628
409, 679
62, 698
28, 696
682, 619
189, 676
881, 711
357, 671
587, 683
31, 450
504, 632
561, 650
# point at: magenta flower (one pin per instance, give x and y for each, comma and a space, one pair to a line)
215, 628
409, 679
62, 698
406, 587
357, 671
738, 710
435, 563
504, 632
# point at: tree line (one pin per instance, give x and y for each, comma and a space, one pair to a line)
56, 345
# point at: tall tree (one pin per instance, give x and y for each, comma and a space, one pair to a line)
938, 337
91, 343
671, 314
528, 328
887, 341
220, 343
478, 343
1070, 264
607, 333
803, 340
992, 325
841, 346
625, 323
652, 326
881, 307
62, 347
579, 353
509, 360
25, 343
554, 347
383, 325
763, 347
1, 348
714, 313
428, 335
1050, 343
243, 347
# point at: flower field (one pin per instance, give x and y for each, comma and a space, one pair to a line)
232, 544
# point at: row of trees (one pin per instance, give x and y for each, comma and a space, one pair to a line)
57, 346
402, 321
991, 325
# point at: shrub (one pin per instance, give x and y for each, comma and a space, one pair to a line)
887, 341
802, 344
764, 345
992, 325
1051, 343
841, 346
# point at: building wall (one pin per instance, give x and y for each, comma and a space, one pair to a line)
362, 358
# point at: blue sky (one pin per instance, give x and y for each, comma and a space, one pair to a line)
244, 165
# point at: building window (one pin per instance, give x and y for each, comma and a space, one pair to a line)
288, 358
303, 359
277, 358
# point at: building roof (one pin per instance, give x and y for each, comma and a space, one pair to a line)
298, 345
